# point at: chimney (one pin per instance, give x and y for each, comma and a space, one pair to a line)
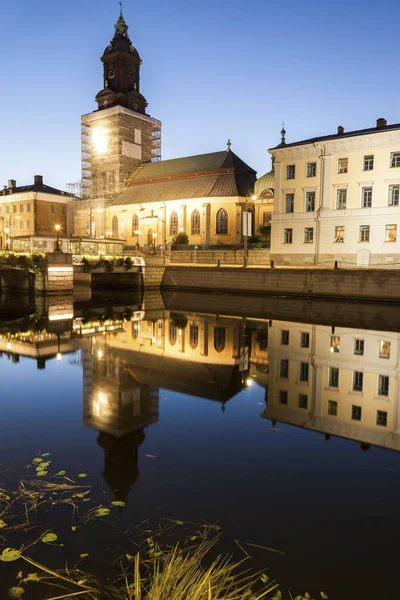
381, 123
12, 184
340, 130
38, 179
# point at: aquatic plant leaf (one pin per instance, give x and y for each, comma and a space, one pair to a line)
73, 528
129, 556
47, 538
81, 475
31, 577
16, 592
37, 460
61, 473
118, 503
19, 575
2, 524
10, 554
83, 555
41, 473
101, 512
46, 454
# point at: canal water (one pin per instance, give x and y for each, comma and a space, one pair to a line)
283, 432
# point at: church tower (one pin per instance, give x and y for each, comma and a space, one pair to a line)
119, 135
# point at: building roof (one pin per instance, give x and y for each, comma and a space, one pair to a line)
338, 136
213, 175
34, 187
266, 182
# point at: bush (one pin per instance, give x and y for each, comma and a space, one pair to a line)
180, 239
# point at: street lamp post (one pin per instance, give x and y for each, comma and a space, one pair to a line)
57, 228
154, 242
137, 233
7, 231
247, 220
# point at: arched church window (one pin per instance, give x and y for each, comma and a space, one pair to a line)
114, 226
135, 224
219, 338
195, 222
173, 224
172, 333
194, 336
222, 221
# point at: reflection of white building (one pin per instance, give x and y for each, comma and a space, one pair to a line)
339, 381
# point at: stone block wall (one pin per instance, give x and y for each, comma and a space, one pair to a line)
226, 257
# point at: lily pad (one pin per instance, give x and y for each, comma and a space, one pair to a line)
41, 473
61, 473
47, 538
118, 503
46, 454
16, 592
2, 524
85, 555
37, 460
82, 475
10, 554
101, 512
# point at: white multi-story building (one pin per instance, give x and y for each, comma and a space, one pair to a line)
337, 198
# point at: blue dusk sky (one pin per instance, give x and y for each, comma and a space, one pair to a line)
212, 70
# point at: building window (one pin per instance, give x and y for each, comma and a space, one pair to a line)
383, 385
341, 199
384, 349
194, 336
332, 408
287, 236
283, 368
267, 219
343, 165
366, 197
391, 233
219, 338
134, 330
21, 208
304, 340
28, 208
172, 333
308, 235
283, 397
21, 224
14, 208
63, 210
222, 221
395, 159
303, 401
381, 418
369, 162
290, 171
173, 224
303, 371
333, 377
28, 224
284, 337
356, 413
114, 226
310, 201
135, 225
359, 347
7, 210
364, 233
195, 218
335, 343
394, 194
358, 377
289, 203
53, 209
339, 234
311, 169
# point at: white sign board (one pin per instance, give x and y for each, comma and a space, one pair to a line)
247, 223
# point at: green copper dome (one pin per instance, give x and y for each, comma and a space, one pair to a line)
265, 183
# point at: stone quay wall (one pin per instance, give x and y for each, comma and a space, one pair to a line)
226, 257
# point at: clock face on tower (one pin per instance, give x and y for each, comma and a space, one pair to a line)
111, 71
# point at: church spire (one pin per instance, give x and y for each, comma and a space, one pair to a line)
121, 28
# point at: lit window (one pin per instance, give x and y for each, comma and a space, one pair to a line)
135, 225
384, 349
114, 226
173, 224
267, 218
283, 368
303, 401
381, 418
21, 208
219, 338
304, 340
290, 171
308, 235
391, 233
283, 397
395, 159
359, 347
339, 234
343, 165
332, 408
53, 209
394, 194
369, 162
311, 169
356, 413
358, 378
383, 385
303, 371
333, 377
222, 221
172, 333
287, 236
284, 337
341, 199
310, 201
195, 222
335, 343
289, 203
194, 336
364, 233
366, 197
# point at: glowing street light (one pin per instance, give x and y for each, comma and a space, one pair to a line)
57, 228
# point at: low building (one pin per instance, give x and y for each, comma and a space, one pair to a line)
29, 215
337, 198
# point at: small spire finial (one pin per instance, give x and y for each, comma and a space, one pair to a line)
120, 8
228, 145
283, 133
